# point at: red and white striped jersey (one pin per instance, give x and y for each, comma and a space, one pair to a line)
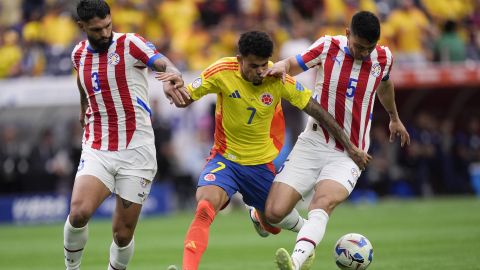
115, 83
346, 86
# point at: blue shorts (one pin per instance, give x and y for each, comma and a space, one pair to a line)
253, 181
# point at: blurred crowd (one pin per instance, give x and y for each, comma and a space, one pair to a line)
37, 36
439, 160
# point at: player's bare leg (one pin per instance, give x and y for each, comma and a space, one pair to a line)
280, 207
210, 200
124, 221
260, 223
328, 194
88, 193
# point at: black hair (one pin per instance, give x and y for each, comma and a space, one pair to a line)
256, 43
89, 9
449, 26
365, 25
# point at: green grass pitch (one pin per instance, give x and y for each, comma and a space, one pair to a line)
437, 234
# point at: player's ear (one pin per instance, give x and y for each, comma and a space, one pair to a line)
239, 58
81, 25
347, 32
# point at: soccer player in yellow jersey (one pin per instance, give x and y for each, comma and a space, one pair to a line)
248, 137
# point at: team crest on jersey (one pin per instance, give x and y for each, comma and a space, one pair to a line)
113, 59
209, 177
376, 70
197, 83
266, 98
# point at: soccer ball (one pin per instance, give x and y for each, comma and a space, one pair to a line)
353, 251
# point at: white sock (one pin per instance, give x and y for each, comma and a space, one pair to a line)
120, 256
292, 222
74, 240
309, 236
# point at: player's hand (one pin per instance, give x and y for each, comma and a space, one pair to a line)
360, 157
177, 96
174, 78
81, 119
397, 129
278, 70
173, 89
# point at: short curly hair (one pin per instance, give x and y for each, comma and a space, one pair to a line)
256, 43
89, 9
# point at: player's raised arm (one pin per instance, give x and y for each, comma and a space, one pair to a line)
314, 109
386, 95
282, 68
178, 96
173, 86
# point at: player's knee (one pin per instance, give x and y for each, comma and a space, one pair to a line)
275, 214
79, 217
123, 236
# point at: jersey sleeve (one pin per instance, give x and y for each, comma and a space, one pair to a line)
76, 54
295, 92
389, 65
312, 56
143, 50
202, 86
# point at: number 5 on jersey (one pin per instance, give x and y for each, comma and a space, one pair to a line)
352, 85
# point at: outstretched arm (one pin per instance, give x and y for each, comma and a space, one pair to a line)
83, 103
314, 109
167, 78
386, 95
173, 87
282, 68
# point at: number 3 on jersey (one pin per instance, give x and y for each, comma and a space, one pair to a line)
95, 82
352, 85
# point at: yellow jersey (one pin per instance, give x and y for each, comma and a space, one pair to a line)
249, 123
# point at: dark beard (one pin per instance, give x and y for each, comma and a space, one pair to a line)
100, 46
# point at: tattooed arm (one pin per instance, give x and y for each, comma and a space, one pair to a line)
316, 111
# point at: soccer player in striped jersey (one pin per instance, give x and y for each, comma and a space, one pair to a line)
248, 136
118, 152
351, 70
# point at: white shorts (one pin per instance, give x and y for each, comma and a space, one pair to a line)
312, 161
128, 173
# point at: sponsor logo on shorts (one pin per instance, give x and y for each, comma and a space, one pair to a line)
81, 165
209, 177
355, 173
142, 196
144, 182
351, 183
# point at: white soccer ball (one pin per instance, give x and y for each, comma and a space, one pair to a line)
353, 251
